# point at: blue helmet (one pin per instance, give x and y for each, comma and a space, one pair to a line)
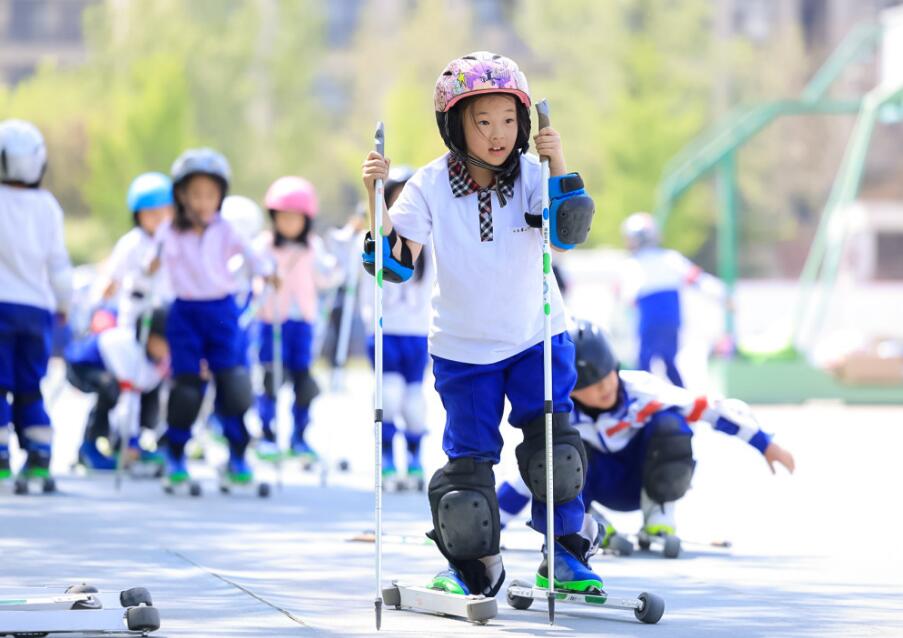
149, 190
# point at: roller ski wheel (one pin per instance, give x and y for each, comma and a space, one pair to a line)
343, 465
515, 600
619, 545
414, 481
393, 483
652, 610
670, 543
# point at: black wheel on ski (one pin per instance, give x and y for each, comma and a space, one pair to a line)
653, 609
518, 602
21, 488
223, 489
263, 490
194, 489
142, 618
48, 486
135, 596
672, 547
644, 543
344, 465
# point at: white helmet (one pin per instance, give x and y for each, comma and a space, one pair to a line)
23, 156
640, 231
244, 214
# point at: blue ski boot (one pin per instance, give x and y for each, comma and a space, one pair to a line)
6, 472
449, 580
571, 573
93, 459
176, 477
238, 472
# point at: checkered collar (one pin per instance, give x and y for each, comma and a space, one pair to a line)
463, 184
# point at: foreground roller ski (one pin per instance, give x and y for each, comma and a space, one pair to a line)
79, 610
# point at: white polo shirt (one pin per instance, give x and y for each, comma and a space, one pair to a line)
487, 301
34, 263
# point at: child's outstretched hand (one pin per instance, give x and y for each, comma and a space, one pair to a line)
374, 167
774, 453
548, 144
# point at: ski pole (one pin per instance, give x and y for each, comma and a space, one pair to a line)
380, 146
126, 432
542, 111
277, 380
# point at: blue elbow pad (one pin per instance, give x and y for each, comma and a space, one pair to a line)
394, 271
570, 211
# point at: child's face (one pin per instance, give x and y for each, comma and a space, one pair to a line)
201, 195
150, 218
602, 395
490, 127
157, 348
289, 224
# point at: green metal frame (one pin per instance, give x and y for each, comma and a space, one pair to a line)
716, 151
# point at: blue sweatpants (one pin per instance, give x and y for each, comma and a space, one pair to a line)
616, 480
209, 331
474, 399
408, 356
661, 343
25, 340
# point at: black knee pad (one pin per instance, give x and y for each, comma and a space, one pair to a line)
669, 463
233, 391
306, 388
107, 389
568, 458
185, 400
465, 510
150, 409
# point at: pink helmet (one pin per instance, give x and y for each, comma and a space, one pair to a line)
476, 73
294, 194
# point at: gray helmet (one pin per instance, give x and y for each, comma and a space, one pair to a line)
593, 355
23, 155
201, 161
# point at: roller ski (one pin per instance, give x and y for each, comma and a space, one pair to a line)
658, 528
447, 595
34, 476
176, 479
80, 610
237, 477
143, 463
576, 583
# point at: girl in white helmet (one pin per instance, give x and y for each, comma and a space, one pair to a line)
35, 283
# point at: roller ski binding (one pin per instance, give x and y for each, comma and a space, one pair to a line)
35, 474
446, 595
238, 477
81, 609
176, 479
658, 528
